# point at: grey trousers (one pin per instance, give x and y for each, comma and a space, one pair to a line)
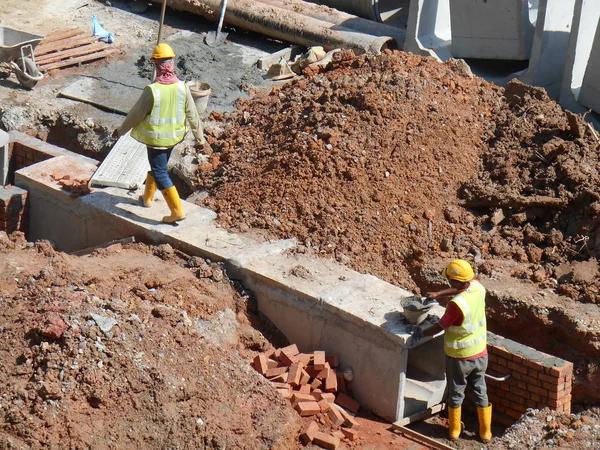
460, 373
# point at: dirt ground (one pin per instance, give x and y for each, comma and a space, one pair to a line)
390, 164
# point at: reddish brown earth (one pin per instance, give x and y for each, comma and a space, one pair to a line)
396, 163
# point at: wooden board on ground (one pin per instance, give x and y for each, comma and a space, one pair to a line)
419, 416
105, 94
421, 439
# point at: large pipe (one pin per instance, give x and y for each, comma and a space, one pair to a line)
378, 10
327, 14
286, 25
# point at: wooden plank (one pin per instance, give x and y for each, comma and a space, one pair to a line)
64, 44
422, 439
87, 251
78, 51
61, 34
420, 416
75, 61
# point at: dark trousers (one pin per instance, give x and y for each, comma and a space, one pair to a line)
159, 160
460, 373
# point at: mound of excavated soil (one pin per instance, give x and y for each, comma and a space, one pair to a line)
361, 163
126, 349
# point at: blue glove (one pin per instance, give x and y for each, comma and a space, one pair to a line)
416, 335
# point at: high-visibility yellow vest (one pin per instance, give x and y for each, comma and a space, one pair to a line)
469, 338
165, 126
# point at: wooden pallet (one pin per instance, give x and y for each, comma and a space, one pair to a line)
69, 47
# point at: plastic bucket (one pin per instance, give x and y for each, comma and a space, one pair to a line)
200, 92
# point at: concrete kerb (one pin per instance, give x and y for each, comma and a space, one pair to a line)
325, 306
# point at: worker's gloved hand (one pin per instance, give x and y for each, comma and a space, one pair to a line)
204, 148
416, 334
115, 134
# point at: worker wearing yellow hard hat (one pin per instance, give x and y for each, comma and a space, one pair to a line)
465, 345
158, 120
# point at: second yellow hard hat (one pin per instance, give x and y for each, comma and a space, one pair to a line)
459, 270
163, 51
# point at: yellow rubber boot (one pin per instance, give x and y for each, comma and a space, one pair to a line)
174, 203
485, 423
149, 191
454, 423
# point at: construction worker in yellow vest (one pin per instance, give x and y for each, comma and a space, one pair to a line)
158, 119
465, 345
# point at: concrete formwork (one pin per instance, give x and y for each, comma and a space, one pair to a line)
428, 32
329, 308
550, 46
491, 29
590, 88
4, 160
581, 40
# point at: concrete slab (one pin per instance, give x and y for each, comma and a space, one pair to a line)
581, 40
550, 46
428, 32
490, 29
105, 94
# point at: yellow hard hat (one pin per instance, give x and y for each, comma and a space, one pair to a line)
459, 270
163, 51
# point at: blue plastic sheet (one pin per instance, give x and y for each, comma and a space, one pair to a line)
100, 32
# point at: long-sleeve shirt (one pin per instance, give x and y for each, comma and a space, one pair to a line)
144, 105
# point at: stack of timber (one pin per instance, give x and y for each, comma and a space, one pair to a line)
69, 47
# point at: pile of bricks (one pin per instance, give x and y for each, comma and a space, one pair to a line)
315, 389
74, 186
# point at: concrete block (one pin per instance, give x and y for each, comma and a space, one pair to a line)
589, 95
428, 32
581, 40
550, 46
491, 29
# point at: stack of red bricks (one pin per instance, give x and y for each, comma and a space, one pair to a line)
13, 209
316, 389
537, 382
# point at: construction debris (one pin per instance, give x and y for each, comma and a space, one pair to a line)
315, 388
69, 47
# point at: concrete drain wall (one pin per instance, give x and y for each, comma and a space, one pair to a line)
316, 303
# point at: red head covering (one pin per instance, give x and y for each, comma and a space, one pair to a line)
165, 71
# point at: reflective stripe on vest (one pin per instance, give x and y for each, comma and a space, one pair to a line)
165, 126
469, 338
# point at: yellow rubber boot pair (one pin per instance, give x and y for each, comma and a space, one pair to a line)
455, 426
485, 423
174, 202
149, 191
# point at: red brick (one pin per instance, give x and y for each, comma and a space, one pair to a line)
297, 397
341, 382
532, 381
308, 432
505, 402
331, 382
304, 358
304, 389
260, 364
349, 421
324, 405
316, 383
329, 396
304, 378
522, 385
270, 352
282, 378
517, 367
294, 374
319, 360
533, 365
282, 386
276, 371
336, 416
549, 379
347, 402
520, 392
537, 390
533, 373
502, 362
550, 387
291, 350
513, 414
285, 393
312, 371
308, 408
535, 397
517, 359
517, 376
326, 441
323, 373
333, 360
287, 359
350, 434
271, 363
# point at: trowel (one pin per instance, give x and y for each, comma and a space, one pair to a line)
214, 39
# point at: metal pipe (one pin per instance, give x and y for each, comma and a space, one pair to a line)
322, 12
286, 25
503, 378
